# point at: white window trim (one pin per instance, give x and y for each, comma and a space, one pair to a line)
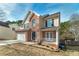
49, 36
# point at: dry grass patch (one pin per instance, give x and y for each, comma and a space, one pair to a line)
29, 50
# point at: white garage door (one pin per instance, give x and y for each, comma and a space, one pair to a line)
21, 37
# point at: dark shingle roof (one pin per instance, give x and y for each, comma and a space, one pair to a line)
4, 24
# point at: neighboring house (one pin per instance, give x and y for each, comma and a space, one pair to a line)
4, 24
14, 26
36, 28
5, 32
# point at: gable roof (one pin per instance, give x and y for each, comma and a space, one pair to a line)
29, 15
26, 17
53, 15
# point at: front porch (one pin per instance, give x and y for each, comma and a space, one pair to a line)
50, 38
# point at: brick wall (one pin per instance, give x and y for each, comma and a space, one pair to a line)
36, 28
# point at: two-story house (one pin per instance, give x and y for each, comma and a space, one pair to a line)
37, 28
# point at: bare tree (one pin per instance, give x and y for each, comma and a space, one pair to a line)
74, 28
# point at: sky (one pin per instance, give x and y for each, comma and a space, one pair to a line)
18, 11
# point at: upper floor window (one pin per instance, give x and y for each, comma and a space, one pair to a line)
33, 22
49, 23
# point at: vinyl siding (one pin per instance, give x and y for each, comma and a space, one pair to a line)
7, 33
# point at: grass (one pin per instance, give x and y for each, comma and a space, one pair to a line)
29, 50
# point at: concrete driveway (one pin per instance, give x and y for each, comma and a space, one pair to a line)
6, 42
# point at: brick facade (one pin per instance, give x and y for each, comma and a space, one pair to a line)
39, 27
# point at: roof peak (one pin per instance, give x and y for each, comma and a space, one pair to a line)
34, 12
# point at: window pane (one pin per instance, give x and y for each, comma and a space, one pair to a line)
49, 23
33, 22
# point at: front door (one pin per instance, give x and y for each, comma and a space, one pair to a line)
33, 36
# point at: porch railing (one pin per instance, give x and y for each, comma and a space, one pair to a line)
49, 39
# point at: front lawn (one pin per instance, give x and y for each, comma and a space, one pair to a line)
29, 50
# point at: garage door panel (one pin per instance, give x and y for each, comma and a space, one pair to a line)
21, 37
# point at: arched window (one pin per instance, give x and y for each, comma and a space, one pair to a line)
33, 22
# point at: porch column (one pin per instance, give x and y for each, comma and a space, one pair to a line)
57, 38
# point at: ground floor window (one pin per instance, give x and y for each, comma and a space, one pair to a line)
50, 36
